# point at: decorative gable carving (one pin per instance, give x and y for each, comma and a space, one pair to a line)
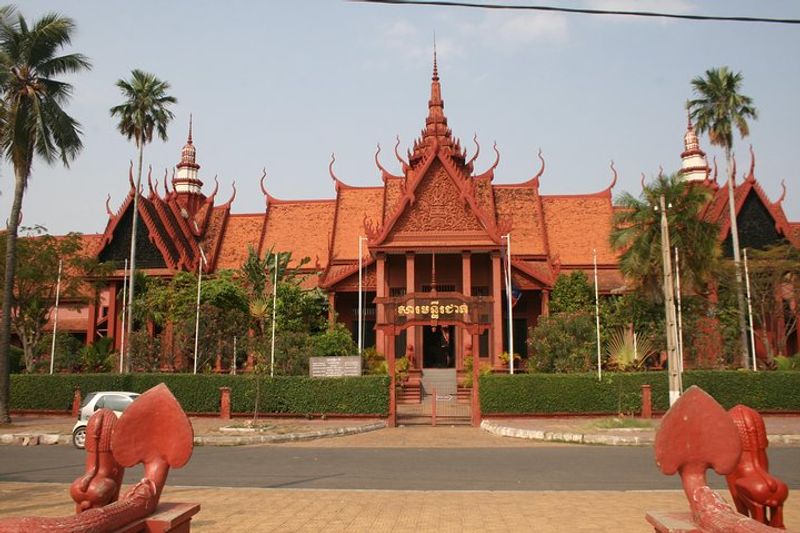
438, 206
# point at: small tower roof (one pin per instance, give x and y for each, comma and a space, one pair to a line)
189, 152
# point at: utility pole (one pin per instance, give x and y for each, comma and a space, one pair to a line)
673, 368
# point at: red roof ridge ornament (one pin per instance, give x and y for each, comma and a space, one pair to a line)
780, 200
402, 161
385, 174
233, 194
489, 173
335, 179
477, 152
108, 200
751, 176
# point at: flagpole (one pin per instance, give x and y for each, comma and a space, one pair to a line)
234, 355
197, 307
360, 298
507, 237
274, 309
750, 311
597, 314
124, 309
55, 319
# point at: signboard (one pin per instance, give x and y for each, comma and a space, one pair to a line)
334, 367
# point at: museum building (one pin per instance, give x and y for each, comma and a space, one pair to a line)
434, 244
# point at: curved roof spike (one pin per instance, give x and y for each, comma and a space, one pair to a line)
397, 154
150, 180
477, 149
130, 176
783, 194
715, 169
614, 179
155, 188
166, 187
497, 156
541, 169
330, 168
108, 208
216, 188
378, 162
261, 181
233, 195
642, 181
751, 175
660, 171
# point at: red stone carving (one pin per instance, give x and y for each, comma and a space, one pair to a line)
755, 492
439, 207
154, 430
100, 485
697, 434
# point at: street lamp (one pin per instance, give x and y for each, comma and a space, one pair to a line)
673, 367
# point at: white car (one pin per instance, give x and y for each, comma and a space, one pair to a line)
117, 401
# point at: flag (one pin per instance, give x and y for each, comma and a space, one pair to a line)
516, 294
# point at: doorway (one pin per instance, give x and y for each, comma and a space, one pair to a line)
439, 347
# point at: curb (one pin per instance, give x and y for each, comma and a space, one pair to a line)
35, 439
572, 438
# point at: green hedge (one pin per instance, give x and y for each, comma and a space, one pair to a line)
366, 395
621, 392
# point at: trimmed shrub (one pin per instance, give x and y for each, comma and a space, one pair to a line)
621, 392
366, 395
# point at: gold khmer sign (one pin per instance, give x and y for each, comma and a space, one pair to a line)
434, 309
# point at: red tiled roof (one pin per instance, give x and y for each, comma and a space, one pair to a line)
522, 206
352, 205
241, 231
578, 224
300, 227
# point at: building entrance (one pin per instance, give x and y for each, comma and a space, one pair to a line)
439, 347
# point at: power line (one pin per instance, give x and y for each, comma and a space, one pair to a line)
648, 14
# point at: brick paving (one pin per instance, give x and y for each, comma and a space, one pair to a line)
253, 509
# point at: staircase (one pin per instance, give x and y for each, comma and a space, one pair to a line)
443, 380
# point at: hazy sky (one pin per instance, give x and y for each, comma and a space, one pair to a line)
281, 85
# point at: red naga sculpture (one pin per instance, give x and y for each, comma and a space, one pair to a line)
102, 481
755, 492
697, 434
155, 431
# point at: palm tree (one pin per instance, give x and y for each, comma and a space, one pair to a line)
719, 109
637, 234
144, 111
32, 123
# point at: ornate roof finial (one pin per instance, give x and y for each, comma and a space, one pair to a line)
190, 129
435, 67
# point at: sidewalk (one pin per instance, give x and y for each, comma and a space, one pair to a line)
33, 429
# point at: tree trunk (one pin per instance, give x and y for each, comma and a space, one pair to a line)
129, 327
745, 360
8, 294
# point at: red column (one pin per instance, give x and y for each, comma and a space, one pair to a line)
411, 337
91, 325
466, 290
331, 309
380, 292
647, 402
112, 313
76, 401
497, 310
392, 384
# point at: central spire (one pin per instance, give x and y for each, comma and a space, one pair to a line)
436, 132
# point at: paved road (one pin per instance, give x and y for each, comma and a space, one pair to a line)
540, 468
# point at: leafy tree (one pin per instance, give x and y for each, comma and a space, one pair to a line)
564, 342
144, 111
774, 287
36, 280
637, 235
32, 123
336, 341
67, 352
572, 293
718, 110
